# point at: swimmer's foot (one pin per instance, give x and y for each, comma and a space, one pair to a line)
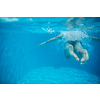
71, 52
85, 56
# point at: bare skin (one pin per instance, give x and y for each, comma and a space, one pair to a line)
69, 49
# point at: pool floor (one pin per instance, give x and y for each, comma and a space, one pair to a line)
63, 75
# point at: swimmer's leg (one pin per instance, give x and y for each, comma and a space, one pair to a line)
82, 53
85, 56
69, 52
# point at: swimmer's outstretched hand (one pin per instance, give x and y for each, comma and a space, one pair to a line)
42, 44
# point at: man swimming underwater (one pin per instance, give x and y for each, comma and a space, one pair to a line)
73, 44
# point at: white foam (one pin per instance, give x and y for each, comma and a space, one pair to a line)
73, 35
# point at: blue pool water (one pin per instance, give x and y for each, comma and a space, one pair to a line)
23, 62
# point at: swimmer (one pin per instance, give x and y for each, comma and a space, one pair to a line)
73, 46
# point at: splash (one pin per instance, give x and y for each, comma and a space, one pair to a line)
48, 30
74, 35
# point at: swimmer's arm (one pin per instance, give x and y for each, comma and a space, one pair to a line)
55, 38
50, 40
94, 38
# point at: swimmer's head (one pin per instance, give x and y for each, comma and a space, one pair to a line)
79, 21
70, 23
